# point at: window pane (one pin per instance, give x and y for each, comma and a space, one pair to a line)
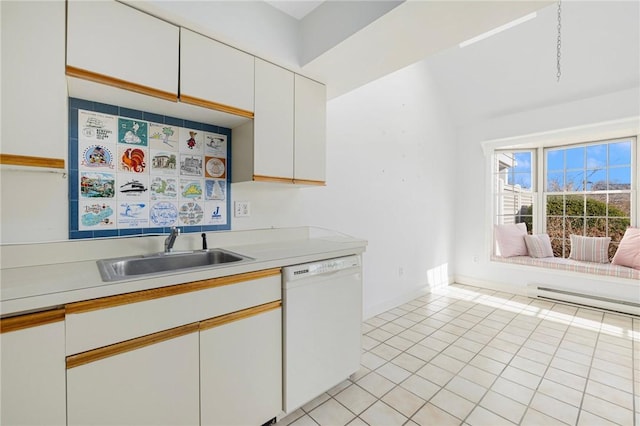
619, 178
574, 225
575, 180
523, 162
597, 205
555, 227
596, 227
597, 157
620, 205
555, 160
555, 181
574, 205
597, 180
617, 228
620, 153
575, 158
555, 205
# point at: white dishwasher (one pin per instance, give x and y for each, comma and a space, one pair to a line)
322, 320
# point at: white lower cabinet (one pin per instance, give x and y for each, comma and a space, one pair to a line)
32, 379
156, 384
241, 370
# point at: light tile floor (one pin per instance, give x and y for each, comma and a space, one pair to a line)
463, 355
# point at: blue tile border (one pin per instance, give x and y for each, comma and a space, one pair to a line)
74, 196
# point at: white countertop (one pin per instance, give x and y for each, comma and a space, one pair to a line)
65, 272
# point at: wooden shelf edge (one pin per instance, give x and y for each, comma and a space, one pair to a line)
192, 100
276, 179
309, 182
28, 161
120, 84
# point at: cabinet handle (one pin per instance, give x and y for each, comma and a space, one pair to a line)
215, 106
238, 315
129, 345
120, 84
156, 293
20, 322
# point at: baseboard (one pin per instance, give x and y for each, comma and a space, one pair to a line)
555, 294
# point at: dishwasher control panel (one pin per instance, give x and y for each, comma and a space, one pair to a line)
321, 267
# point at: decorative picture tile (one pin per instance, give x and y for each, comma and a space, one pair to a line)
132, 186
163, 136
164, 162
190, 165
163, 188
133, 176
214, 189
215, 167
132, 160
191, 213
215, 145
215, 213
97, 214
191, 189
96, 156
97, 127
164, 213
191, 141
97, 185
132, 132
134, 214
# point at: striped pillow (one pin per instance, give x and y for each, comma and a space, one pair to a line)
539, 245
590, 249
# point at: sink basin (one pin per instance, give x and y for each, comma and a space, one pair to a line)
135, 266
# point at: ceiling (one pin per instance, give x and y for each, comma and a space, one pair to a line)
296, 8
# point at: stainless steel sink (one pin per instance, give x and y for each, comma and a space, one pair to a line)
134, 266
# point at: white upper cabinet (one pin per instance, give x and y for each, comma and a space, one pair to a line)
273, 122
310, 130
112, 40
215, 73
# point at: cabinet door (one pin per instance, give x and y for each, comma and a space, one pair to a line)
273, 122
117, 41
32, 370
241, 370
310, 130
216, 73
148, 385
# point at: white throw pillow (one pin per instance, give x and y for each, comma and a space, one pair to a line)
590, 249
510, 239
539, 245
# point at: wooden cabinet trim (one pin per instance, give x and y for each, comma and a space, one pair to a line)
156, 293
29, 161
238, 315
129, 345
21, 322
192, 100
275, 179
309, 182
121, 84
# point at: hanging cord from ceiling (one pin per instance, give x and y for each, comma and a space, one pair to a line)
559, 44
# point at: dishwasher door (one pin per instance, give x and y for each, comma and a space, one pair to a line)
322, 320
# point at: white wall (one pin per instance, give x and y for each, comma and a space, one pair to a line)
390, 148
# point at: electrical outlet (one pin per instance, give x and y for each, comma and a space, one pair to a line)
242, 209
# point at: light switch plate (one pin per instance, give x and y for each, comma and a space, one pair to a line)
241, 209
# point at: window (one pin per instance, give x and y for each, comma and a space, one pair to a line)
587, 189
588, 192
514, 187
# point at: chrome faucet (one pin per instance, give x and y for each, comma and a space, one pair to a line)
171, 239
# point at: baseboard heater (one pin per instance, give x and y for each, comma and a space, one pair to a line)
589, 300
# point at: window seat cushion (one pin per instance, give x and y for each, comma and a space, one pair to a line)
559, 263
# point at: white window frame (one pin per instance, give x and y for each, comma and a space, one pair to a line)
606, 131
